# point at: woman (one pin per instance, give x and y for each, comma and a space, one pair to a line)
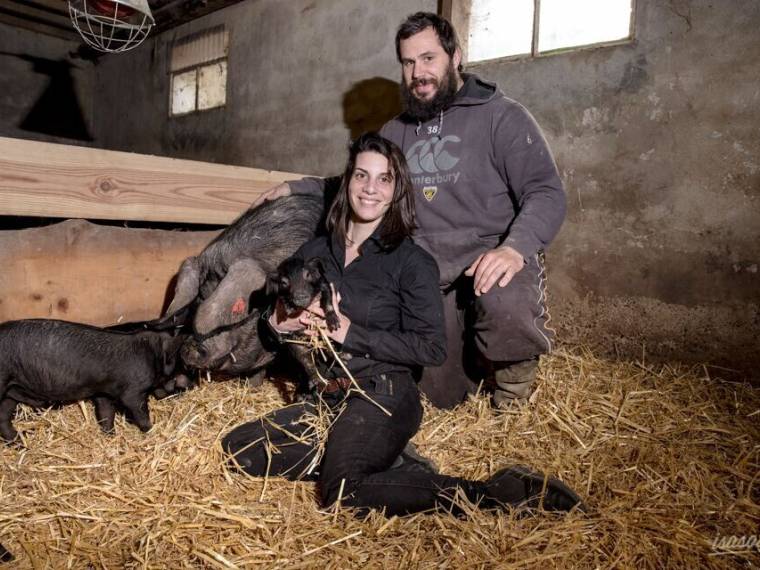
391, 321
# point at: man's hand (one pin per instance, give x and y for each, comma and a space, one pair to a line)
501, 263
273, 193
315, 314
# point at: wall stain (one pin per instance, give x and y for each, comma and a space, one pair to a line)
635, 76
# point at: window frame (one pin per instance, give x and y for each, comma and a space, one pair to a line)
173, 73
458, 13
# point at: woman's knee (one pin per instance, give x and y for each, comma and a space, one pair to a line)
242, 445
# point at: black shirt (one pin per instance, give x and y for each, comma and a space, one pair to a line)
392, 299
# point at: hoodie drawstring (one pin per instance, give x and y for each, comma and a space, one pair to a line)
440, 126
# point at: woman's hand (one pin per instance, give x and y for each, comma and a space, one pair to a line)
314, 315
281, 322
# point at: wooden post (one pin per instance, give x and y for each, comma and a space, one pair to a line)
458, 13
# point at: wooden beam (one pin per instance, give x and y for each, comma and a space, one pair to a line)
63, 181
43, 27
177, 12
40, 7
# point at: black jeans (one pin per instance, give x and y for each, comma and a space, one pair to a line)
360, 450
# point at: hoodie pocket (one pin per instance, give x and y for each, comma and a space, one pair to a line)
454, 251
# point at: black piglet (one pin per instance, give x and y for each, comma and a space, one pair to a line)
296, 284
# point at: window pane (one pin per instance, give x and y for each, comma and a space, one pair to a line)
499, 28
580, 22
212, 85
183, 92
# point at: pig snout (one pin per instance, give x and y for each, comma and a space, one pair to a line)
213, 353
194, 354
238, 351
301, 299
179, 383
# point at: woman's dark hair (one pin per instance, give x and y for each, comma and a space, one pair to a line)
398, 221
419, 21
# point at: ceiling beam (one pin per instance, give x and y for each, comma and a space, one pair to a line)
63, 30
177, 12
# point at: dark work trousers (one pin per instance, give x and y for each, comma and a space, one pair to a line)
361, 448
507, 324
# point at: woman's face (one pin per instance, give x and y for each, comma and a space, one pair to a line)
370, 190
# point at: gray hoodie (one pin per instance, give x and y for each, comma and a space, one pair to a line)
483, 176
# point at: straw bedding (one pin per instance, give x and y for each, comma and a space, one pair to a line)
665, 456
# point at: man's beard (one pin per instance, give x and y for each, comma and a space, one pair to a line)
444, 96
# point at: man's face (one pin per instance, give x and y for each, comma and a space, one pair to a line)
429, 74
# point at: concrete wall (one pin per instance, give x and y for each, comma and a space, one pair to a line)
45, 94
659, 145
657, 141
302, 75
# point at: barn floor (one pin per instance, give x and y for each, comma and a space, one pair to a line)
666, 457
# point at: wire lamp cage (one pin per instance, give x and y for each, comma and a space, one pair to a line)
111, 25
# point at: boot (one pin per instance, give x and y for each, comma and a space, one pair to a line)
5, 556
520, 486
514, 381
411, 460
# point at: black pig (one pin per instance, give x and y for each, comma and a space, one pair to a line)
216, 291
44, 362
296, 284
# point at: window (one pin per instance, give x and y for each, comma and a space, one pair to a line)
504, 28
199, 72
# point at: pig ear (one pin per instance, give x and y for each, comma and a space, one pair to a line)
316, 266
273, 284
228, 304
170, 346
186, 290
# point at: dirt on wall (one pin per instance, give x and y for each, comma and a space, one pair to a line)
723, 338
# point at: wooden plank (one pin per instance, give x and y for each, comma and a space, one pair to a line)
55, 180
84, 272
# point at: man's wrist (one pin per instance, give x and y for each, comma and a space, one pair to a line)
506, 246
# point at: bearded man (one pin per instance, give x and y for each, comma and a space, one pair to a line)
488, 200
